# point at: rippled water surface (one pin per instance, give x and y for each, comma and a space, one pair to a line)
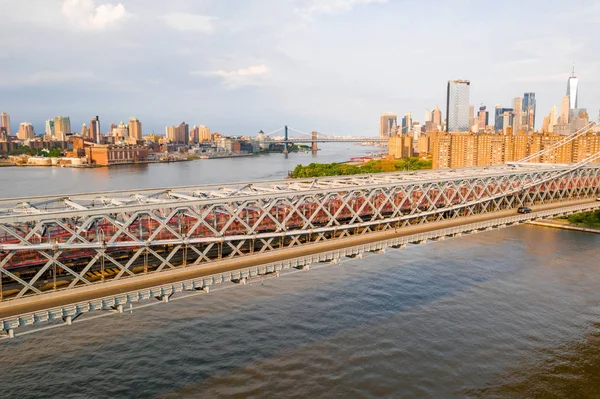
510, 313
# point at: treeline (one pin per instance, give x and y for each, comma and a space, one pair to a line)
589, 219
342, 169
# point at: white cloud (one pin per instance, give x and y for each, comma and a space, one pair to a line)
250, 76
312, 7
84, 14
190, 22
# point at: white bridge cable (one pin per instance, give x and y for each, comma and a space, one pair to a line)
567, 139
275, 131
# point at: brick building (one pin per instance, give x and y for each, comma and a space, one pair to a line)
108, 155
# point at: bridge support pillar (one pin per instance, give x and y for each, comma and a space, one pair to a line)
68, 320
241, 281
314, 147
334, 261
303, 267
163, 298
10, 333
379, 251
355, 256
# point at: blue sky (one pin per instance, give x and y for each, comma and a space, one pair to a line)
239, 66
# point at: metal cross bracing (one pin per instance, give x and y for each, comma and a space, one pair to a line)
62, 242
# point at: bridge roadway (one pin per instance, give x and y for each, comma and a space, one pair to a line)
32, 304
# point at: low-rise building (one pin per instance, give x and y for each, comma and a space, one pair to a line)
107, 155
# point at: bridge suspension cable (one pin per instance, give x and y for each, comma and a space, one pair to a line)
567, 139
274, 131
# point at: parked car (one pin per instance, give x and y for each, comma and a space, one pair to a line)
524, 209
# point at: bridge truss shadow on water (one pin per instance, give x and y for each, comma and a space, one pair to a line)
59, 244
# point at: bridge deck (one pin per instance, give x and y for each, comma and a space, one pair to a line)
61, 298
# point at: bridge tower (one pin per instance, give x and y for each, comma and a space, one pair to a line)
285, 141
314, 143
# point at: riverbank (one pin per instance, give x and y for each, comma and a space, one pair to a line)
564, 225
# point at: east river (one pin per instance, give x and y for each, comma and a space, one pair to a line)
513, 313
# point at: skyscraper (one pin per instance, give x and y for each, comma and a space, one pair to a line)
135, 128
25, 131
483, 117
84, 131
49, 128
437, 117
5, 122
407, 123
552, 119
386, 125
529, 106
518, 107
457, 106
62, 126
500, 120
564, 111
471, 116
428, 116
95, 133
572, 90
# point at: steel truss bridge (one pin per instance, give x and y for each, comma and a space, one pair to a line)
52, 245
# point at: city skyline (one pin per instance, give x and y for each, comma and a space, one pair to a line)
299, 62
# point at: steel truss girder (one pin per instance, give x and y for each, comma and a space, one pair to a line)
160, 235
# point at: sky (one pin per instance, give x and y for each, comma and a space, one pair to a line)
239, 66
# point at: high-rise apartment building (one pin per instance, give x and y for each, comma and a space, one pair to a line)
572, 90
25, 131
183, 133
5, 122
135, 128
171, 132
529, 107
195, 135
400, 146
458, 150
457, 106
204, 134
62, 127
407, 122
387, 123
84, 131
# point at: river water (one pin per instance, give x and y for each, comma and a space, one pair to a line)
502, 314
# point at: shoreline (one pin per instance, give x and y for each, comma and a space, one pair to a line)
565, 226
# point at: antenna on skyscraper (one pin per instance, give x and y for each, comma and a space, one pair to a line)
573, 75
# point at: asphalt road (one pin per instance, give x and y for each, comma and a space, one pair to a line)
81, 294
